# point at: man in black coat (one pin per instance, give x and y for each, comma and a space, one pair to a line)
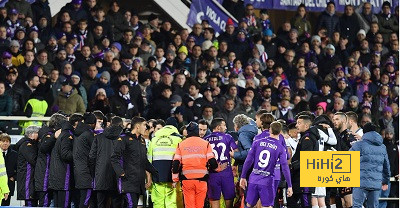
27, 153
84, 133
123, 104
61, 175
41, 8
117, 20
100, 164
42, 171
10, 158
306, 143
130, 163
349, 25
161, 108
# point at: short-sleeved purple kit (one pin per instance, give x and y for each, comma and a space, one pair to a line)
221, 144
261, 161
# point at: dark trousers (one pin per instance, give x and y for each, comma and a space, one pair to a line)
31, 203
62, 199
6, 202
108, 199
85, 197
131, 200
305, 199
44, 198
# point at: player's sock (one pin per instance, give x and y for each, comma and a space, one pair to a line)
333, 205
315, 206
323, 207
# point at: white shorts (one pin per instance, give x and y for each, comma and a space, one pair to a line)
319, 192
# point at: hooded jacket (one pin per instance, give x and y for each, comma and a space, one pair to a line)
161, 151
130, 163
27, 153
93, 89
45, 146
61, 175
245, 140
82, 144
100, 159
374, 161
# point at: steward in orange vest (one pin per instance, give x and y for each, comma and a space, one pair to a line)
193, 158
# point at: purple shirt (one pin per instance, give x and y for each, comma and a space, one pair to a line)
263, 135
221, 144
277, 175
261, 161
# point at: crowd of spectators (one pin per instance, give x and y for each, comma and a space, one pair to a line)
113, 61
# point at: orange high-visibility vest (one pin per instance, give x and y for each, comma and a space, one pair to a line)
193, 154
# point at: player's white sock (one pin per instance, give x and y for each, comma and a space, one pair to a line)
333, 205
315, 206
323, 207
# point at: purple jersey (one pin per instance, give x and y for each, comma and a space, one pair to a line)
277, 175
263, 135
221, 144
261, 161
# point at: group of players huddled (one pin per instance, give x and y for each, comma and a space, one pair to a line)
93, 161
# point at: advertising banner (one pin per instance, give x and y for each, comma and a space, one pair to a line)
329, 169
208, 10
316, 5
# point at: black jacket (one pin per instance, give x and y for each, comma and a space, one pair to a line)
61, 175
345, 140
27, 153
100, 159
18, 102
130, 158
41, 9
349, 26
11, 167
393, 155
330, 22
307, 142
161, 108
42, 171
118, 23
120, 107
82, 144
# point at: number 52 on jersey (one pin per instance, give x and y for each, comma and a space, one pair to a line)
330, 169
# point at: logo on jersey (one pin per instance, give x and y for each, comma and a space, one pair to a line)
330, 169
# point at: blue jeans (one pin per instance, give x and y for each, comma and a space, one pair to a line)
384, 194
362, 194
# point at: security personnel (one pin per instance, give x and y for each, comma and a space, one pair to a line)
35, 107
130, 163
192, 157
160, 153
